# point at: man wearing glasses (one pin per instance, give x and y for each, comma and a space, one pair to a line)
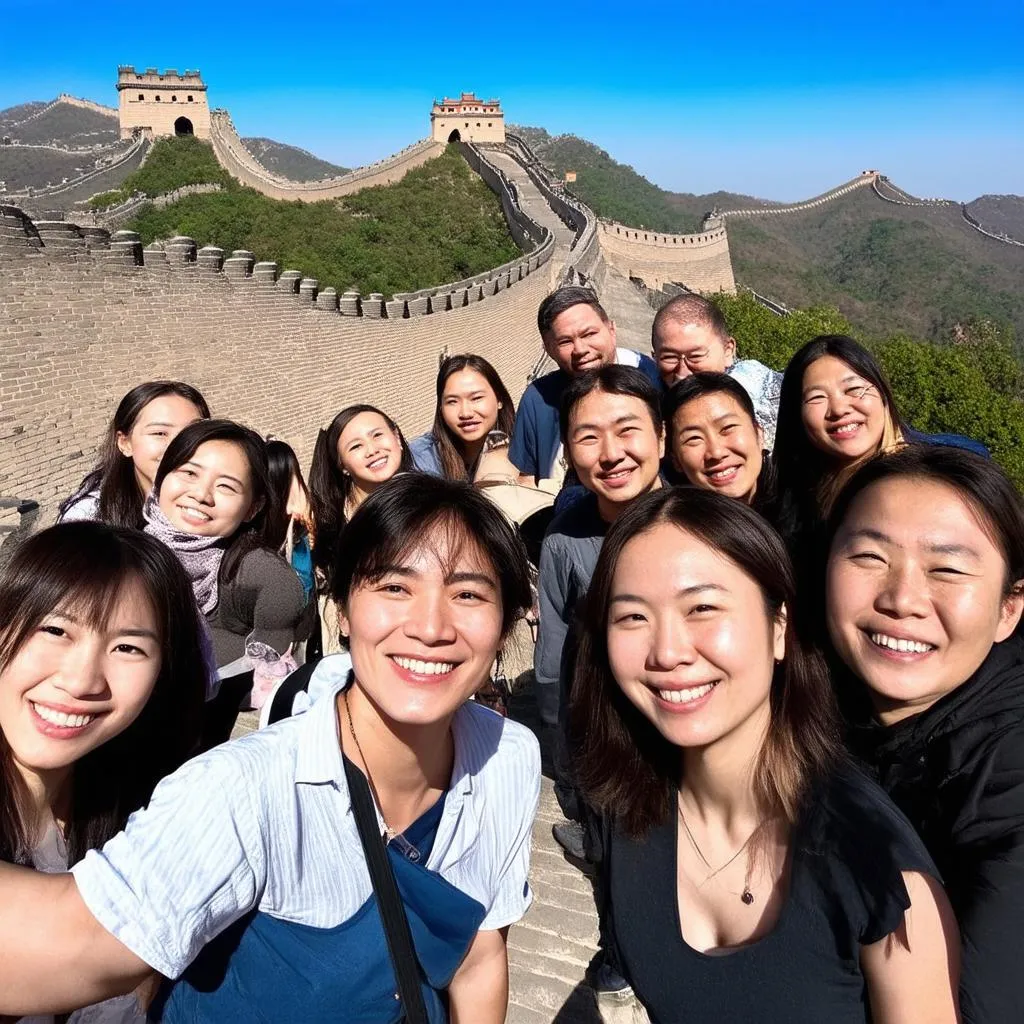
689, 335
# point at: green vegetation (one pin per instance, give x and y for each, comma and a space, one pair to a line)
439, 223
973, 385
612, 190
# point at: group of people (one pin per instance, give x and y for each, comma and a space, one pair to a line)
779, 664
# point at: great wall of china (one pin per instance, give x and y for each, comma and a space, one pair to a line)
94, 311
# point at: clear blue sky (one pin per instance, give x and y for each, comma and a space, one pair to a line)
780, 100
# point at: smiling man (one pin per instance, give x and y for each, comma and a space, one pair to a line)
579, 337
689, 335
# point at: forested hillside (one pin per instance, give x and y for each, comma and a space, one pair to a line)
439, 223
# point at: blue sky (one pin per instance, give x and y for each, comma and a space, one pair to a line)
778, 100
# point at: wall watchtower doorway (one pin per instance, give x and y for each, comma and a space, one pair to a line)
183, 126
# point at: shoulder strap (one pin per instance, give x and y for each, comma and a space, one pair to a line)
389, 901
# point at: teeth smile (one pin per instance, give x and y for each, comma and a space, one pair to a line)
903, 646
721, 474
60, 718
686, 696
846, 428
424, 668
193, 515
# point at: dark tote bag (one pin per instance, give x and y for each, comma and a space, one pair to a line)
389, 901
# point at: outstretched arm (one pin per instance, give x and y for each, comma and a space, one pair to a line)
54, 955
913, 973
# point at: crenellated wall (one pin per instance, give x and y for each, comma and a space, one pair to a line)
238, 161
862, 180
87, 315
700, 261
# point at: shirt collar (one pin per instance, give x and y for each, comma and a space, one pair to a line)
319, 754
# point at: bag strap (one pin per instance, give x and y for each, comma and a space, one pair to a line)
389, 901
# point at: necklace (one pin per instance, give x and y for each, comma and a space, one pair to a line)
389, 832
746, 895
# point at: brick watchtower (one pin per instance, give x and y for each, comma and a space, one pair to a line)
467, 119
162, 103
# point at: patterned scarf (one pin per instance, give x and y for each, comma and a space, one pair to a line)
201, 556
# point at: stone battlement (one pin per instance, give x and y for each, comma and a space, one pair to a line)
151, 78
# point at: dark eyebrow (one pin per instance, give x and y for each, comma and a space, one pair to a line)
697, 588
68, 617
159, 424
628, 417
953, 549
220, 476
869, 533
470, 577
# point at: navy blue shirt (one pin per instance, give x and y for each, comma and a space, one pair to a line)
536, 437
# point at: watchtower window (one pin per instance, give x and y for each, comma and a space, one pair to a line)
478, 124
174, 99
190, 99
141, 96
158, 97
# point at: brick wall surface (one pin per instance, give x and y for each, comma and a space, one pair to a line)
700, 261
77, 332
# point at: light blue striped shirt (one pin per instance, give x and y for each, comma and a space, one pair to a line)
265, 822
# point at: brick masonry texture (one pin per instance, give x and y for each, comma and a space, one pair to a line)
78, 332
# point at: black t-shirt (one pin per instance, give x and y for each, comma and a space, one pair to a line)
846, 890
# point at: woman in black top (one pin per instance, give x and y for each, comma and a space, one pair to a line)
752, 874
925, 587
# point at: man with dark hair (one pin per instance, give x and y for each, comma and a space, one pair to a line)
689, 335
614, 439
578, 336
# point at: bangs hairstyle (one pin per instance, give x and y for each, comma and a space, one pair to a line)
626, 768
689, 309
979, 482
330, 488
555, 304
808, 483
697, 385
255, 532
416, 509
449, 447
114, 474
82, 569
611, 380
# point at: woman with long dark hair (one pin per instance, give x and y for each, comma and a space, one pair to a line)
246, 878
146, 421
715, 441
925, 588
836, 411
291, 530
472, 403
212, 504
101, 692
751, 873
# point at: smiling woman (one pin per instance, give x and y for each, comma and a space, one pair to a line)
741, 850
99, 694
923, 612
267, 905
213, 505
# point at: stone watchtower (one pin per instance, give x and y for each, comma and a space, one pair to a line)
162, 104
467, 119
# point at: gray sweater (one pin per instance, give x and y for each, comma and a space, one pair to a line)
567, 560
265, 602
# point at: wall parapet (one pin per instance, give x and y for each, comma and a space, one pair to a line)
238, 161
638, 236
139, 144
21, 236
863, 179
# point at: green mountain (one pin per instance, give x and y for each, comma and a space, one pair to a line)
888, 268
439, 223
290, 161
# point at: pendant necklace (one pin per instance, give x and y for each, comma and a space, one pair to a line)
746, 895
389, 832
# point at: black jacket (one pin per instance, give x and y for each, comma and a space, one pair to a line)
957, 771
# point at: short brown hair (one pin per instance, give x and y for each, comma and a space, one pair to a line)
555, 304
